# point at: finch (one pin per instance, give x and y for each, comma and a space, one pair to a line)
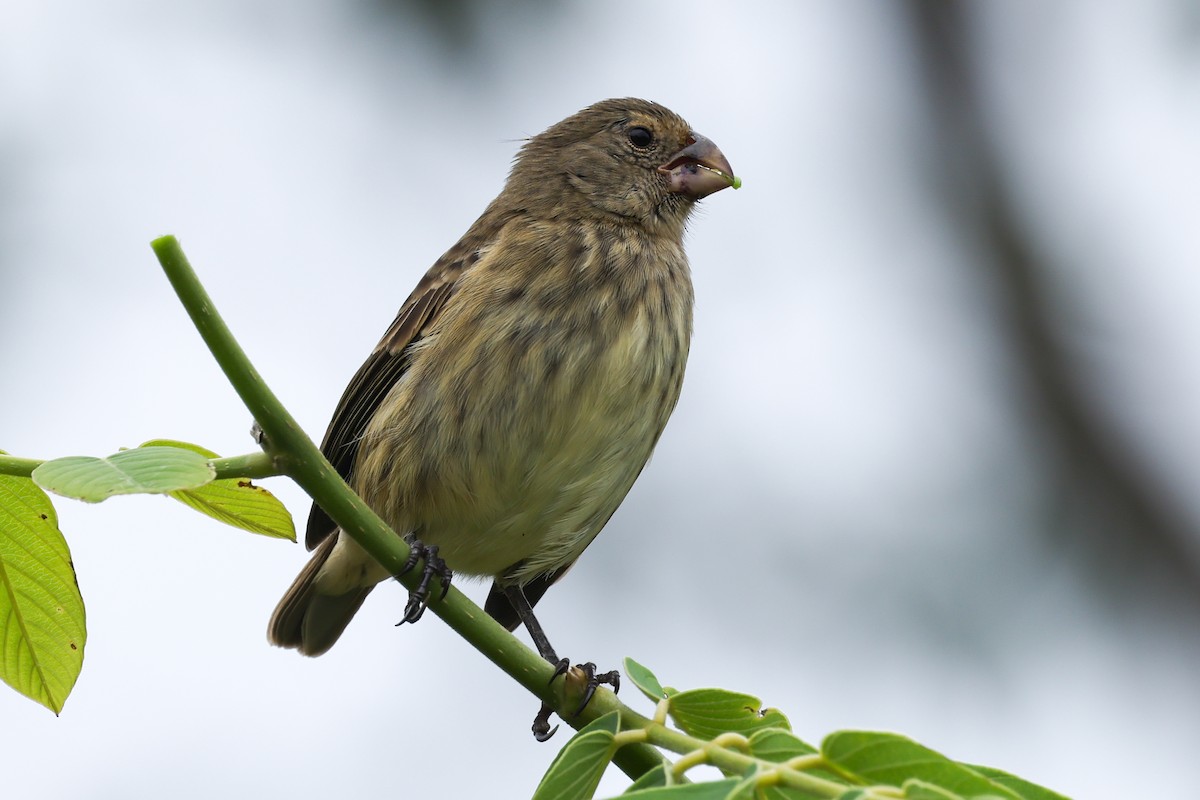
506, 412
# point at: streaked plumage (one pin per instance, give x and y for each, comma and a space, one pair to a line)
520, 390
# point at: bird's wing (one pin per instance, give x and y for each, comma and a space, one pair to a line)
376, 377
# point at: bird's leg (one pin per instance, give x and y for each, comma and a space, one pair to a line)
541, 723
520, 602
418, 599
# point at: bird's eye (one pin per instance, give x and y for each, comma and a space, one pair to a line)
640, 137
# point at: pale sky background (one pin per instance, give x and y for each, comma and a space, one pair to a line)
846, 515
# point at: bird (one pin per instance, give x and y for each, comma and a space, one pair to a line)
520, 390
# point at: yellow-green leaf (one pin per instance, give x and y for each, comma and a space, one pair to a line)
42, 620
235, 501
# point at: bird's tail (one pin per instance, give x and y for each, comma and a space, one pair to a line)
308, 621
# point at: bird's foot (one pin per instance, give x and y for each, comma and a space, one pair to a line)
591, 682
434, 567
541, 724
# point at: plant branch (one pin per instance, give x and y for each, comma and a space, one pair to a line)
19, 467
251, 465
731, 762
295, 455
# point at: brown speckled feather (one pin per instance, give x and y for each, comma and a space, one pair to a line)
515, 398
388, 362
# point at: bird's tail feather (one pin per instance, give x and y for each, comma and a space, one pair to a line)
312, 622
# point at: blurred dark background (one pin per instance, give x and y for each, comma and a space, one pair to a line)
932, 470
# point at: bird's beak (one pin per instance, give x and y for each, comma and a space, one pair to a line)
699, 169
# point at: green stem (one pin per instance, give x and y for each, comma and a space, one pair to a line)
251, 465
20, 467
294, 454
733, 762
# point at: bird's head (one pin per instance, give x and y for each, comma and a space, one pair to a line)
629, 158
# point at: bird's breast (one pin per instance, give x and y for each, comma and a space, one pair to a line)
527, 415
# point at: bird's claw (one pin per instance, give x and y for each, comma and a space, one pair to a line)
541, 724
592, 682
435, 566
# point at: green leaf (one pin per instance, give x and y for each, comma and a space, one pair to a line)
781, 793
576, 770
651, 778
707, 713
747, 786
891, 759
717, 790
1023, 788
920, 790
778, 745
42, 619
234, 501
146, 470
644, 679
610, 722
